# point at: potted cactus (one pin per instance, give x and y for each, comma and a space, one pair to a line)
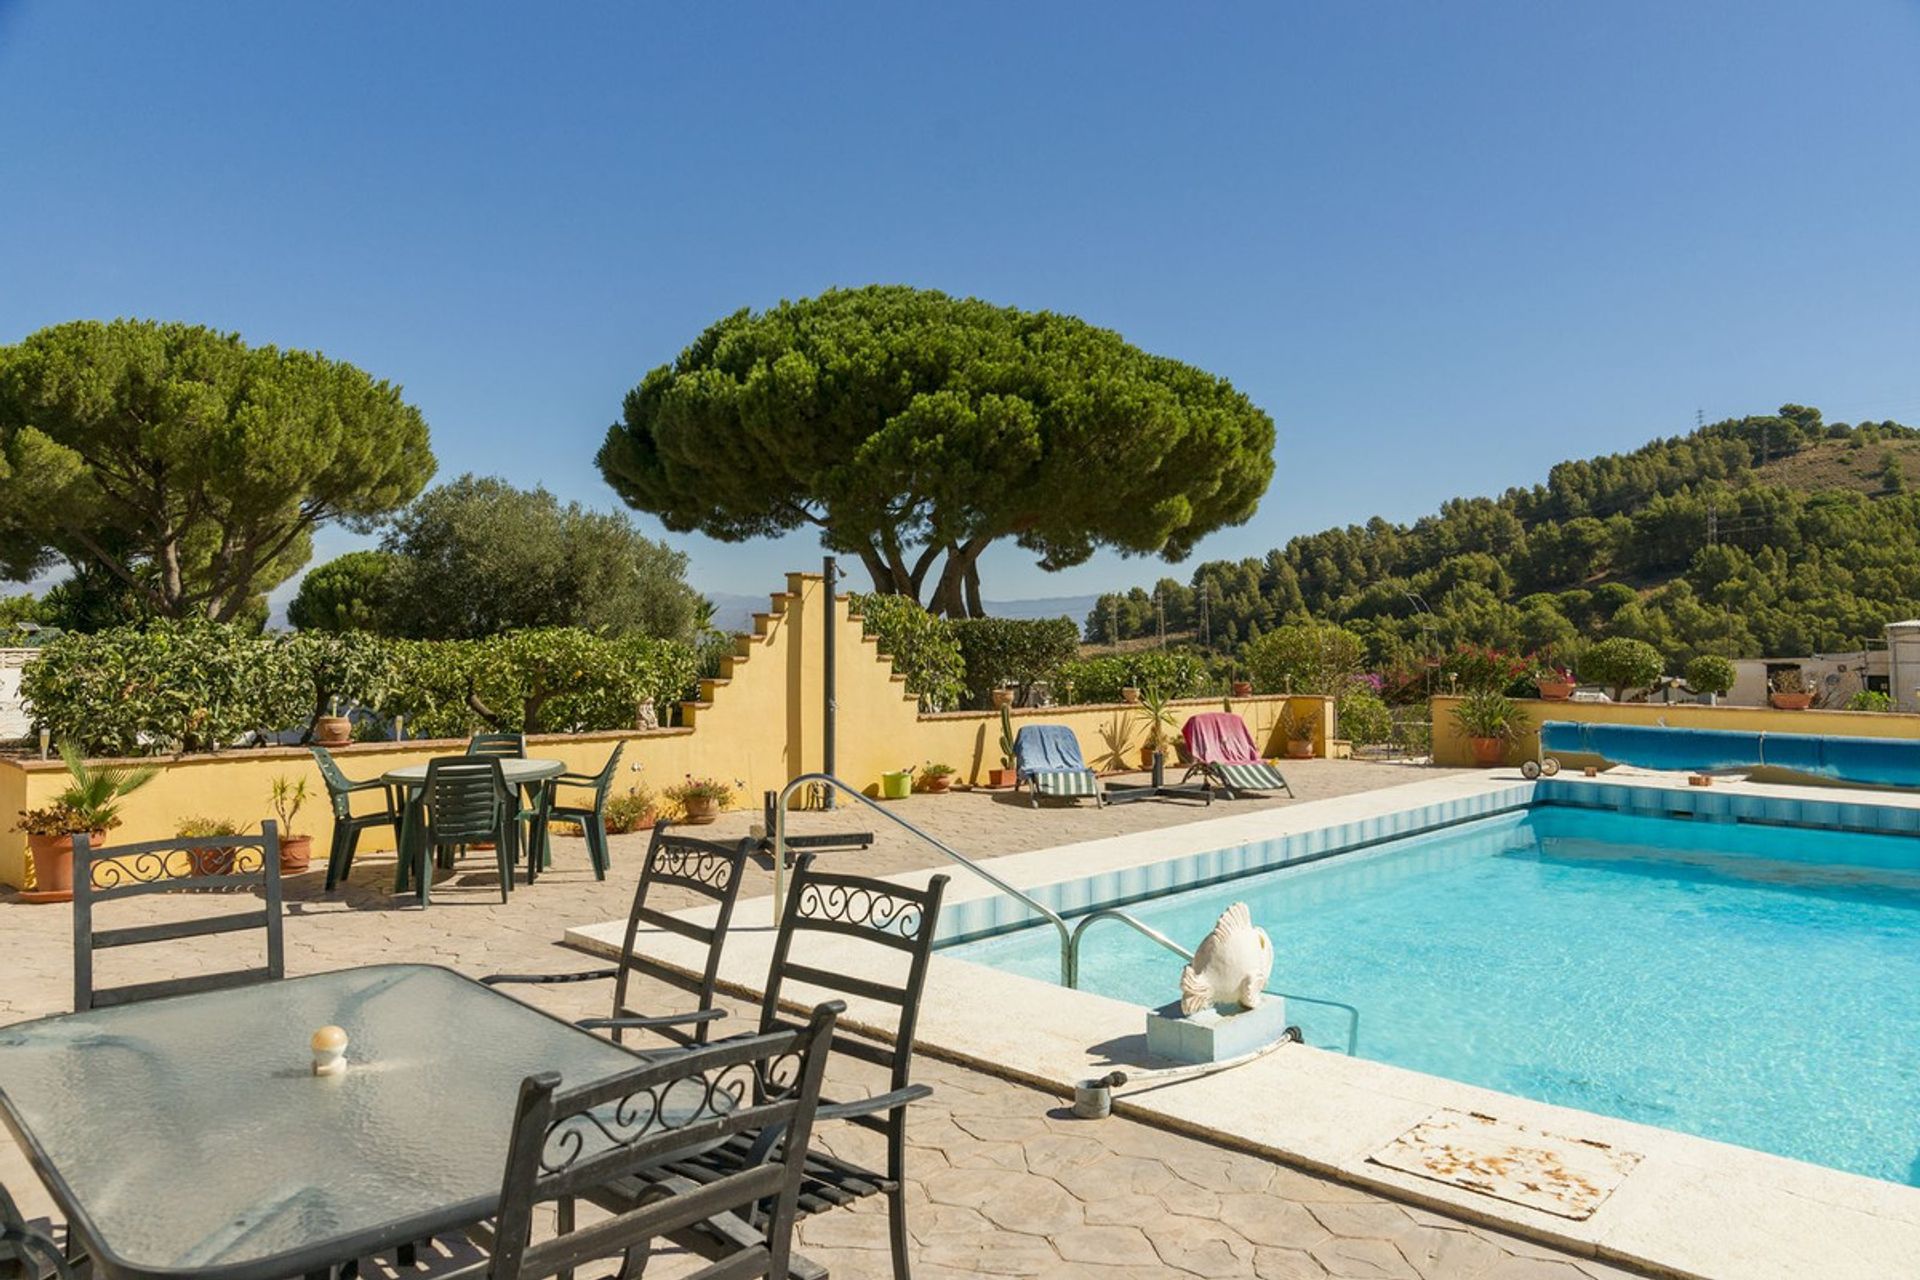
1008, 773
1788, 691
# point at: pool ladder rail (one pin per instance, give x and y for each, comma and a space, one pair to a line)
1070, 935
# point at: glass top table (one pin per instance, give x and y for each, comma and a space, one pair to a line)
188, 1136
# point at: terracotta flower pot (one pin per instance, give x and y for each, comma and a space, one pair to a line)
1146, 757
296, 854
1488, 752
1243, 688
1556, 690
938, 783
333, 731
1790, 701
1002, 698
1129, 694
1002, 777
212, 862
52, 868
1298, 750
701, 810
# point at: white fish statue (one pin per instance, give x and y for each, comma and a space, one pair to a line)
1231, 965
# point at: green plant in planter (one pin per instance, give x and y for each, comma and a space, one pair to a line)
1709, 674
1490, 714
1156, 713
96, 791
1869, 700
288, 795
628, 811
1297, 726
205, 828
53, 820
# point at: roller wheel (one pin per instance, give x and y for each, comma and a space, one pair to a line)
1549, 766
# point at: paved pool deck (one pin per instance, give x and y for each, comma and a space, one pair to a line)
1003, 1181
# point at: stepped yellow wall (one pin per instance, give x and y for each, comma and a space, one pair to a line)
1450, 746
759, 725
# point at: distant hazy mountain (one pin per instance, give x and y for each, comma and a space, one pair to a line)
733, 612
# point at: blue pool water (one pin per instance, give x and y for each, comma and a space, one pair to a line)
1758, 985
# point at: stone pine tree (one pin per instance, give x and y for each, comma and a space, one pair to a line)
915, 430
188, 465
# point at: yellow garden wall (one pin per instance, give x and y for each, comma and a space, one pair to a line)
1450, 746
758, 725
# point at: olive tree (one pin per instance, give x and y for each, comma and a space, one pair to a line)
477, 556
188, 465
915, 430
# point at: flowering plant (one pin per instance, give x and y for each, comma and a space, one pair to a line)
707, 789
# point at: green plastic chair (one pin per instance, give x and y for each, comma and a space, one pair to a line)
506, 746
591, 817
347, 826
468, 802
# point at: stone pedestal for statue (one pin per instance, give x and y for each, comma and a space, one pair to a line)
1216, 1034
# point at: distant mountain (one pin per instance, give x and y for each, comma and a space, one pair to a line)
1771, 534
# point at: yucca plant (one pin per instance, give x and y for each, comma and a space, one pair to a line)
96, 791
1156, 713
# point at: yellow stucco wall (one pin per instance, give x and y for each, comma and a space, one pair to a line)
758, 725
1450, 746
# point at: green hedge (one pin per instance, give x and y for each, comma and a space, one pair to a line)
168, 687
923, 648
1170, 673
1013, 653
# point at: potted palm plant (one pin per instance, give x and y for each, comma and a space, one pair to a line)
1491, 721
91, 803
296, 851
1008, 772
1156, 713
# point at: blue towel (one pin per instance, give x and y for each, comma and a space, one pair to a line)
1047, 748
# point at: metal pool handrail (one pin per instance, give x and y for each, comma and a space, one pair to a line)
780, 857
1069, 937
1072, 976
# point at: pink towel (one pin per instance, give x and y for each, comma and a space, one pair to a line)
1219, 737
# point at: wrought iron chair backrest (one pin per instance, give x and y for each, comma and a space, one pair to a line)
567, 1143
703, 867
20, 1243
464, 798
199, 865
507, 746
875, 911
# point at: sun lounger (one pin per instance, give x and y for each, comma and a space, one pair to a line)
1220, 748
1048, 762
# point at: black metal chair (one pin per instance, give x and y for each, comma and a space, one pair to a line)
466, 800
210, 865
25, 1251
762, 1089
893, 918
347, 826
592, 816
506, 746
703, 867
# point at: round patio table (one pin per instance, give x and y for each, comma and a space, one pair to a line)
518, 773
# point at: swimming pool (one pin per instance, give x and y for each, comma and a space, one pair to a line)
1755, 984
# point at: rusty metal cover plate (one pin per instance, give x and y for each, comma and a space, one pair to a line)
1567, 1177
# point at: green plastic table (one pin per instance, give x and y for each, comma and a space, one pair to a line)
188, 1136
518, 773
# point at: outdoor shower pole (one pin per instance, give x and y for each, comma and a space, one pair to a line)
831, 572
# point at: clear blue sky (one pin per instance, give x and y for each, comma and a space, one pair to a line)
1444, 245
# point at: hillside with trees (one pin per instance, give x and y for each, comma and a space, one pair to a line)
1774, 534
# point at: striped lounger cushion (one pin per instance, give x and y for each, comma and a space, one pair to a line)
1248, 777
1065, 782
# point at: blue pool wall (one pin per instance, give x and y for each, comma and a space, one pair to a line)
999, 913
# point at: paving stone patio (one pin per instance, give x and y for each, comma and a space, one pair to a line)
1005, 1181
